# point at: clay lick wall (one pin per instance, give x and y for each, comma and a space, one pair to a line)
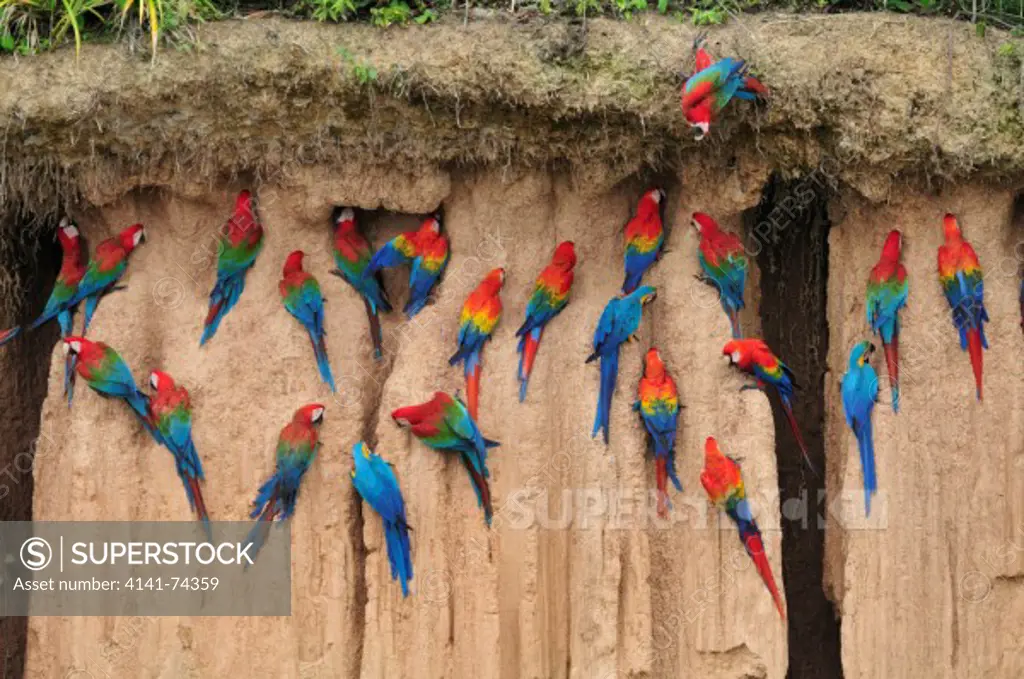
575, 578
931, 585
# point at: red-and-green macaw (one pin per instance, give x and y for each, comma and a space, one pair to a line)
619, 322
550, 296
61, 303
480, 315
963, 282
658, 405
712, 86
296, 449
352, 255
375, 481
723, 481
645, 238
753, 357
108, 375
444, 423
888, 288
301, 295
241, 242
106, 267
724, 264
170, 412
860, 391
428, 251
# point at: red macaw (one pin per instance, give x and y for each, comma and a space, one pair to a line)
296, 449
352, 255
61, 302
170, 411
550, 296
963, 282
658, 405
888, 289
645, 238
241, 242
444, 423
723, 481
105, 371
753, 357
300, 292
713, 85
724, 264
480, 315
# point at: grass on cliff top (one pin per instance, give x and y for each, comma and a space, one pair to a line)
33, 26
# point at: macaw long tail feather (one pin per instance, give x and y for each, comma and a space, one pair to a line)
399, 553
91, 304
661, 480
609, 373
892, 362
323, 364
974, 348
796, 433
632, 281
139, 403
261, 530
867, 462
195, 500
750, 536
481, 487
734, 321
70, 363
7, 335
473, 387
224, 296
375, 332
528, 346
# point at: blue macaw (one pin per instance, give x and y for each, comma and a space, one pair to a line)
375, 481
860, 392
619, 321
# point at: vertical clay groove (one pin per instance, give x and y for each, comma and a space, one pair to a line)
790, 234
25, 365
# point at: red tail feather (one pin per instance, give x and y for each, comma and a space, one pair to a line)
754, 85
530, 347
755, 547
214, 310
473, 392
480, 482
974, 349
799, 438
661, 478
375, 334
197, 497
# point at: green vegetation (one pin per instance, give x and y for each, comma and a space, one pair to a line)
32, 26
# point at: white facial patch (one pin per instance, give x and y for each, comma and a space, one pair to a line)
402, 422
69, 230
137, 238
695, 224
154, 381
318, 414
73, 347
656, 196
735, 357
347, 215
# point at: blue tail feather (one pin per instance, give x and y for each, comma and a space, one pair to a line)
399, 554
867, 462
322, 362
609, 373
223, 298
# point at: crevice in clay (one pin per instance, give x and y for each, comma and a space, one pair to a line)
789, 232
25, 363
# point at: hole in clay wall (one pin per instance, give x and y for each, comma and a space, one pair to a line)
788, 231
25, 364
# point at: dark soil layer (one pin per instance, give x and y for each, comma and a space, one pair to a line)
263, 95
25, 366
789, 230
